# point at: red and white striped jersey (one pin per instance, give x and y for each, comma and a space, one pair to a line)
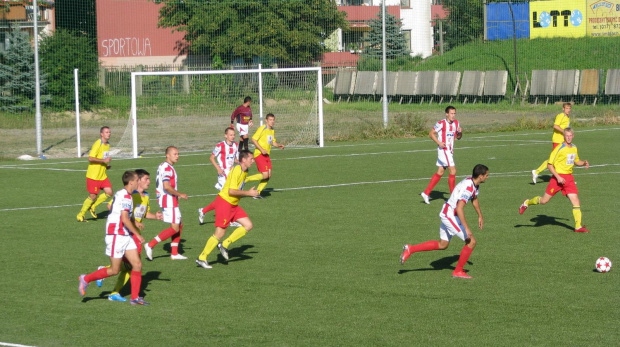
465, 191
226, 154
446, 132
165, 172
122, 202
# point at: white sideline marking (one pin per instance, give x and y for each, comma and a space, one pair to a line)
13, 344
493, 175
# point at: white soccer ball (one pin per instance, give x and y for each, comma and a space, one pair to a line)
603, 264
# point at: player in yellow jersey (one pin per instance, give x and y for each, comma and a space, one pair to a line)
263, 139
227, 210
561, 122
96, 174
141, 210
561, 162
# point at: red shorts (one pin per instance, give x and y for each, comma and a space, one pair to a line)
226, 213
569, 187
93, 187
263, 163
554, 146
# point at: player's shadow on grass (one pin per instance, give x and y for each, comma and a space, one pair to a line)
126, 290
543, 178
235, 254
439, 264
543, 220
435, 195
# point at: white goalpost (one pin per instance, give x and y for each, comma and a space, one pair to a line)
191, 109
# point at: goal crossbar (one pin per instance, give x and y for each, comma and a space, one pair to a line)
258, 71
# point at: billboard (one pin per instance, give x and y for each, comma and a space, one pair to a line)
499, 20
557, 18
603, 18
127, 34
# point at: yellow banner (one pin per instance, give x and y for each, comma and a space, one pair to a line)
603, 18
557, 18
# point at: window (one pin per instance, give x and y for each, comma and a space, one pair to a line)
405, 3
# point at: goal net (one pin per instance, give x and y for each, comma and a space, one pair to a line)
191, 109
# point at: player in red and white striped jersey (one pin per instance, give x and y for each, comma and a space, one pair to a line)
166, 186
453, 221
119, 239
443, 133
223, 158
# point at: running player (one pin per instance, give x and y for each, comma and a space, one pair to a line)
120, 230
223, 157
166, 186
561, 122
561, 162
453, 221
443, 133
243, 115
263, 140
141, 210
96, 174
227, 210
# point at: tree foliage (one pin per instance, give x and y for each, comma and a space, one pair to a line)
395, 43
17, 75
287, 30
77, 15
60, 54
465, 22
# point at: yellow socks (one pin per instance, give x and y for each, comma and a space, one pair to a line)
209, 247
577, 216
533, 201
85, 206
262, 185
123, 278
542, 167
255, 177
236, 235
101, 198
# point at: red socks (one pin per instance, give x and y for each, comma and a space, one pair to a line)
451, 182
97, 275
164, 235
426, 246
136, 282
208, 208
465, 253
434, 180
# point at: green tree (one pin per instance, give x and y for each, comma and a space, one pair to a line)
465, 22
287, 30
77, 15
395, 43
17, 78
60, 54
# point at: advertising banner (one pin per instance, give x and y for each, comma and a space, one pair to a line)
603, 18
557, 18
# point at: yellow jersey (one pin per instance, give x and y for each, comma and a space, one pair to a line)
97, 171
235, 180
563, 158
265, 138
563, 121
141, 205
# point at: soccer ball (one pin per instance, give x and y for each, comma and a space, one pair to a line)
603, 264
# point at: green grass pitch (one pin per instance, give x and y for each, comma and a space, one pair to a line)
321, 266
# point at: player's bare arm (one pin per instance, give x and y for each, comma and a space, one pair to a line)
557, 128
476, 206
261, 149
168, 188
215, 164
433, 136
560, 179
583, 163
252, 192
99, 161
128, 223
278, 145
460, 212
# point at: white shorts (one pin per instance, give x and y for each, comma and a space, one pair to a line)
172, 215
117, 245
451, 226
221, 179
445, 158
243, 129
